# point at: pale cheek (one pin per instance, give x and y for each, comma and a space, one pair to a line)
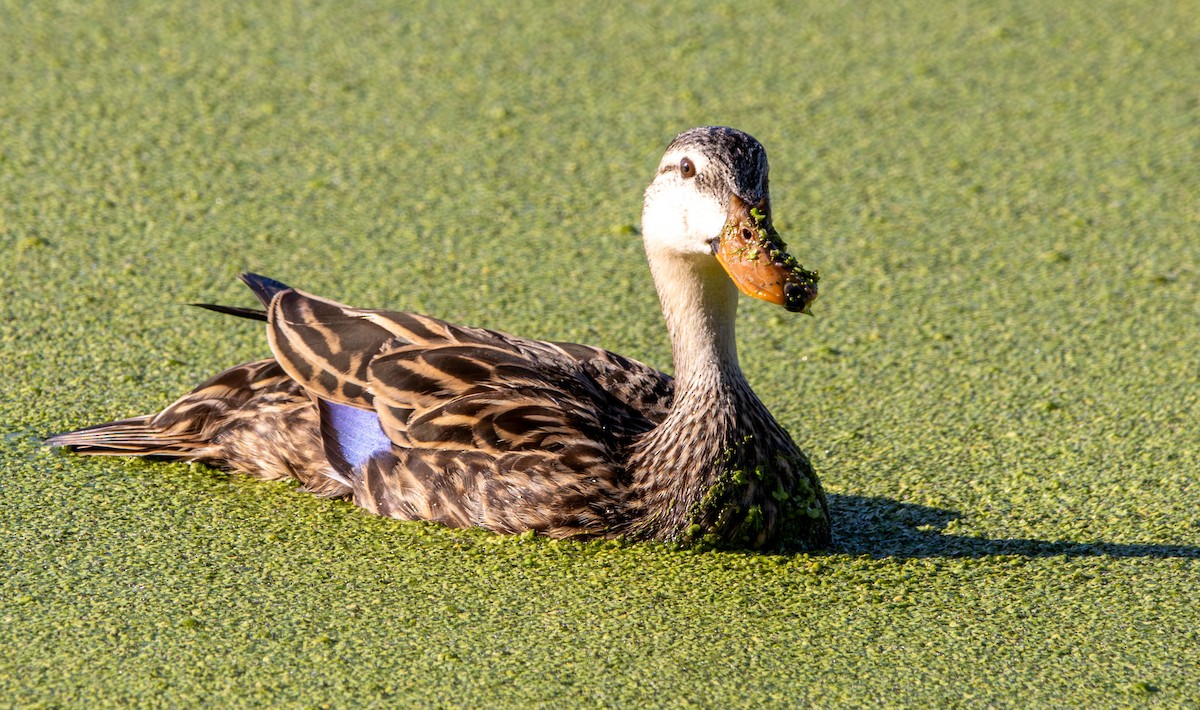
708, 221
681, 220
705, 221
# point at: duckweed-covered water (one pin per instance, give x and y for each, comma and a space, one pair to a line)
999, 390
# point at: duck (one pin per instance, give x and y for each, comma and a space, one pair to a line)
413, 417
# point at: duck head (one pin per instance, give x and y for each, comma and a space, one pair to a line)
710, 201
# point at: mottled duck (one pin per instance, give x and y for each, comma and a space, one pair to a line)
412, 417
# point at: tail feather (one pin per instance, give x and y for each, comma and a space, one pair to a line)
136, 436
263, 287
252, 418
251, 313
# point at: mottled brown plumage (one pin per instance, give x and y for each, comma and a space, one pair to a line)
415, 418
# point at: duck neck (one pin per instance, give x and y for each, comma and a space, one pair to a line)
674, 465
699, 303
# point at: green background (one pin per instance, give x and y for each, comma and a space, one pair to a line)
999, 390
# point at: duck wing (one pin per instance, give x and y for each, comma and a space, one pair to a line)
638, 385
484, 436
338, 339
404, 364
524, 433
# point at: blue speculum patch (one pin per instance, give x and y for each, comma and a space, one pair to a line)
357, 432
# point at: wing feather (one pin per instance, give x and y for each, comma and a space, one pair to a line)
640, 387
437, 386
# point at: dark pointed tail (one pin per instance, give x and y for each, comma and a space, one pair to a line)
251, 313
263, 287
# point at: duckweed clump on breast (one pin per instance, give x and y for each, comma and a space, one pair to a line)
750, 505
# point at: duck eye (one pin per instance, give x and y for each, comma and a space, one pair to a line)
687, 169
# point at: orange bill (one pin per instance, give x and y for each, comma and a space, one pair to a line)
757, 261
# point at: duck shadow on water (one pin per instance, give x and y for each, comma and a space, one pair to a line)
881, 527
